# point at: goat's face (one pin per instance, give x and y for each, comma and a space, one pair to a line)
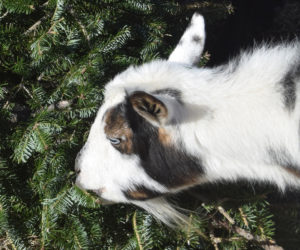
110, 162
131, 153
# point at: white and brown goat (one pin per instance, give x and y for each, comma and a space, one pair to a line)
166, 126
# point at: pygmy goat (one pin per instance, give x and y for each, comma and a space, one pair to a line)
167, 125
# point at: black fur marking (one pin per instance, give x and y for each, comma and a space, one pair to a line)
141, 193
196, 39
289, 92
170, 92
288, 84
165, 164
284, 159
189, 25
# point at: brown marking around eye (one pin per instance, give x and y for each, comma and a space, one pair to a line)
117, 127
164, 137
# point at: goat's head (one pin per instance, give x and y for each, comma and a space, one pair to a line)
131, 154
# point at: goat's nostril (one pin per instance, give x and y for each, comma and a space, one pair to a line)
77, 171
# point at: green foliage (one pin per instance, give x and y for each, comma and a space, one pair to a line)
55, 58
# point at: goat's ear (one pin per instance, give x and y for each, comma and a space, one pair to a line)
190, 47
149, 107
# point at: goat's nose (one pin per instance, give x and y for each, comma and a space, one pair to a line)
77, 163
77, 168
77, 171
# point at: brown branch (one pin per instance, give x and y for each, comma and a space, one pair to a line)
215, 241
82, 27
225, 214
38, 23
35, 25
264, 243
244, 218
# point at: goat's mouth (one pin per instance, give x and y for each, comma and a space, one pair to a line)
95, 195
98, 199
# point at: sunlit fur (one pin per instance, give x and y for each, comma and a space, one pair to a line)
234, 118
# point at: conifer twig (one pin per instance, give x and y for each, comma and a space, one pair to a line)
244, 218
215, 241
4, 15
225, 214
264, 243
38, 23
34, 26
136, 231
10, 241
82, 27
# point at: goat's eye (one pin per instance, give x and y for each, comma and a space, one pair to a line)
114, 141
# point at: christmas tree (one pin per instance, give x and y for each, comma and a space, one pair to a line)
55, 58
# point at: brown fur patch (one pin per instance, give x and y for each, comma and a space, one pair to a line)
192, 180
117, 127
137, 195
164, 137
141, 193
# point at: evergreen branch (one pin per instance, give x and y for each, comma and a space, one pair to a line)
26, 90
40, 39
4, 15
201, 234
24, 149
11, 242
84, 198
13, 93
45, 4
58, 10
135, 229
215, 241
12, 235
61, 197
225, 214
36, 25
44, 228
119, 40
189, 226
244, 218
77, 241
53, 25
41, 138
265, 244
82, 27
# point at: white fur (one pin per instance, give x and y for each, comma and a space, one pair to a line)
232, 115
189, 51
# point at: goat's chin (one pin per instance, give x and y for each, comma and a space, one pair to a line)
101, 200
